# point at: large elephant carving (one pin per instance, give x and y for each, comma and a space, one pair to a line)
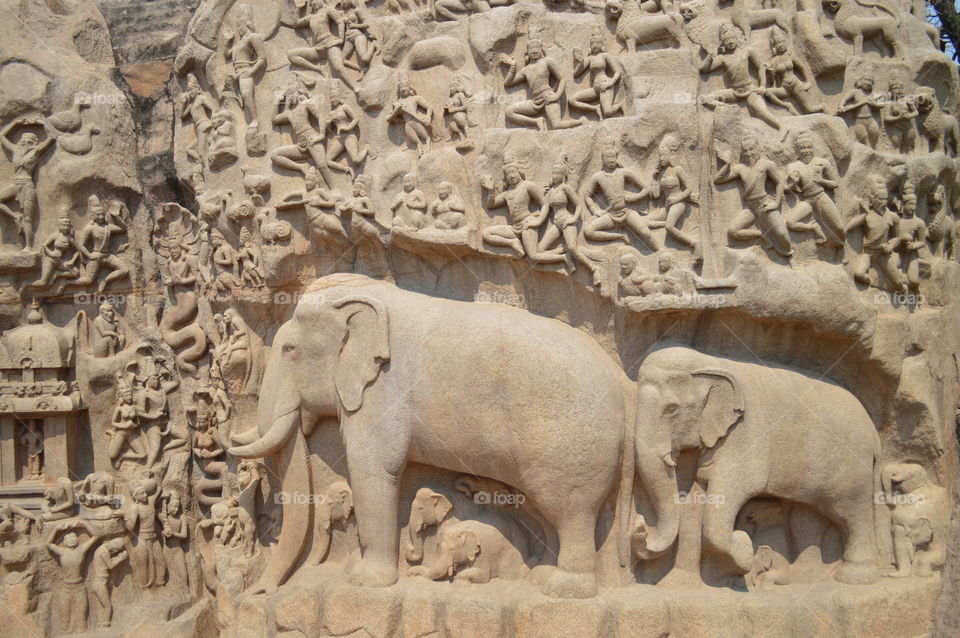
481, 389
762, 430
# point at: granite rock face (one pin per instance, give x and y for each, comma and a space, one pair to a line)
690, 268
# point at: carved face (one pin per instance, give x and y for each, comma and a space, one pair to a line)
535, 52
778, 43
666, 262
409, 182
443, 191
28, 141
609, 159
173, 506
559, 173
65, 227
71, 540
596, 45
729, 41
865, 84
512, 175
805, 149
359, 190
896, 89
126, 396
175, 252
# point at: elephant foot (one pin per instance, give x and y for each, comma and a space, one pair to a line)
858, 573
679, 579
366, 573
564, 584
900, 573
741, 551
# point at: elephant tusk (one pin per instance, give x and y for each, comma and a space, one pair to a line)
667, 458
281, 429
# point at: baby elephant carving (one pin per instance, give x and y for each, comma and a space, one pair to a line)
919, 519
475, 551
767, 569
336, 509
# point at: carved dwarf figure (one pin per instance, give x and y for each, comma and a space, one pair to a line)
539, 74
881, 237
108, 557
611, 181
72, 556
447, 212
458, 108
761, 218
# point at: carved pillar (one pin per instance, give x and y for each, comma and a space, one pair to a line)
8, 450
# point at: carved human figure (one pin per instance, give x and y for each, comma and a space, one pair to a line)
786, 76
899, 114
31, 438
124, 428
25, 155
913, 239
247, 54
344, 125
140, 520
108, 337
409, 207
248, 260
359, 38
866, 105
458, 109
72, 556
328, 29
517, 195
58, 501
106, 558
96, 492
207, 448
738, 62
363, 218
672, 183
605, 73
611, 183
562, 209
634, 283
198, 107
59, 257
249, 475
414, 114
810, 177
447, 211
881, 237
918, 517
95, 243
296, 110
318, 204
761, 218
153, 417
545, 85
178, 326
15, 524
175, 530
224, 260
223, 140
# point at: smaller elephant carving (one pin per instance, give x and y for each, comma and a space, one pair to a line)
919, 519
429, 509
335, 510
475, 551
768, 568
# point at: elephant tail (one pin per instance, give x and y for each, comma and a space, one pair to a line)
625, 492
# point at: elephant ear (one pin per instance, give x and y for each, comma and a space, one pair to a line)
470, 545
722, 405
365, 348
441, 506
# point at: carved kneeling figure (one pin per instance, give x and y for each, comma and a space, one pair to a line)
475, 551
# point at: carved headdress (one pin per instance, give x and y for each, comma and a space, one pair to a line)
534, 41
509, 161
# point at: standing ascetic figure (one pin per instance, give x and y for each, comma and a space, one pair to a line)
26, 154
382, 339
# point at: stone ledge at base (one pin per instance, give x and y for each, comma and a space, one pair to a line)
324, 608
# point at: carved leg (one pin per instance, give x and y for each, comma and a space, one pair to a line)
575, 575
718, 522
597, 229
376, 496
903, 551
860, 546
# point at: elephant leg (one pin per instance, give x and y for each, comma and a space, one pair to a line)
376, 497
575, 576
860, 546
724, 503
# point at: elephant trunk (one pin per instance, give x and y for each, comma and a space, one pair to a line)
278, 415
443, 567
659, 479
414, 553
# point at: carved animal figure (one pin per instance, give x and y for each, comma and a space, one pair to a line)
636, 27
941, 229
330, 360
745, 15
859, 19
938, 127
768, 568
79, 143
919, 517
750, 421
476, 551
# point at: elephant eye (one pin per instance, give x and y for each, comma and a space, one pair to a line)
671, 408
288, 347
